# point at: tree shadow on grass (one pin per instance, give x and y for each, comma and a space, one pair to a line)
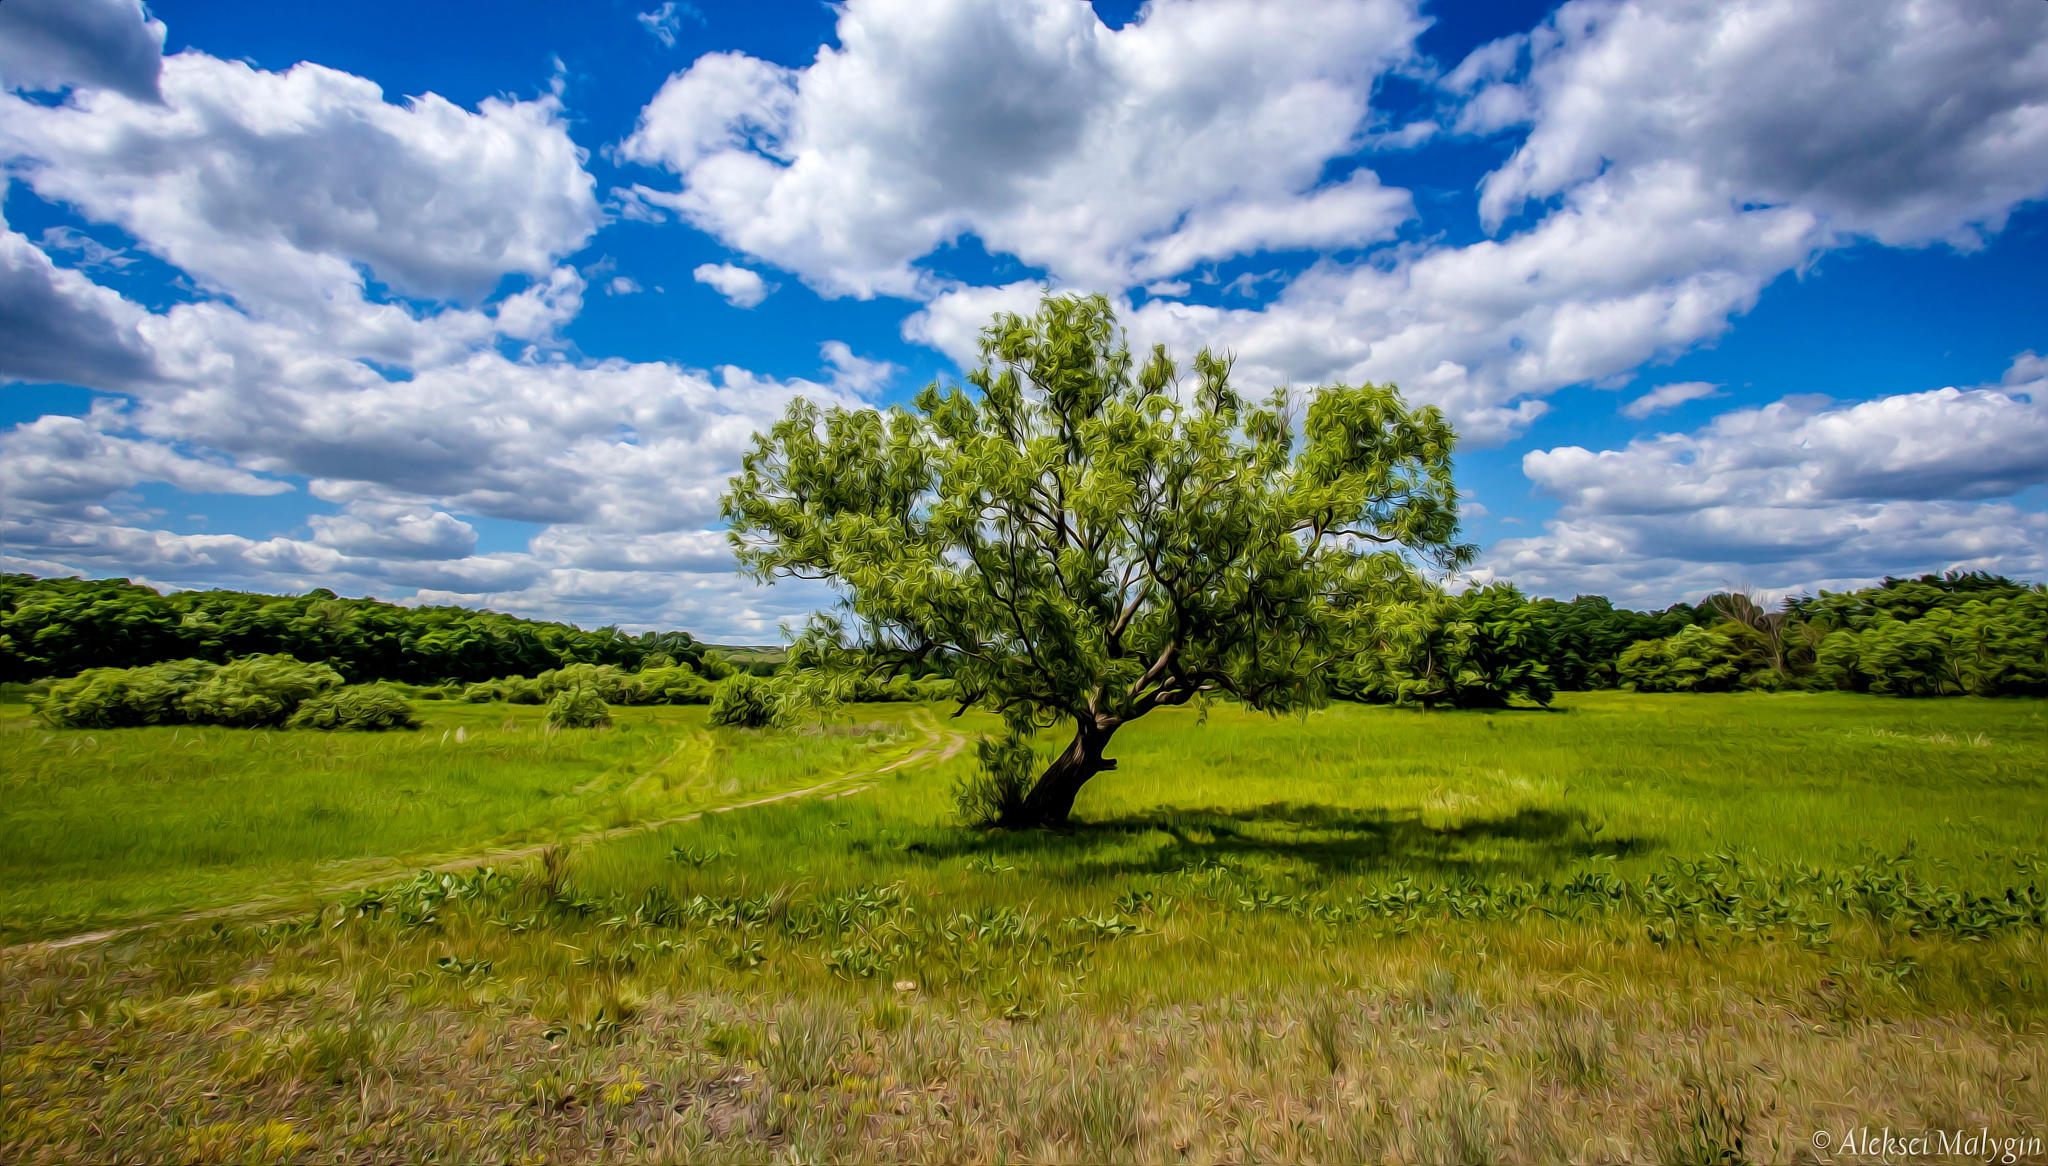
1333, 840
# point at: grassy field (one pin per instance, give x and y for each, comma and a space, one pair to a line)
1639, 928
107, 827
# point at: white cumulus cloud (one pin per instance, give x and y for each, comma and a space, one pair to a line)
1197, 132
741, 287
1795, 495
284, 187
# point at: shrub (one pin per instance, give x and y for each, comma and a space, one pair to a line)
994, 792
748, 702
361, 707
482, 692
256, 691
1695, 660
674, 684
578, 708
112, 698
609, 683
520, 690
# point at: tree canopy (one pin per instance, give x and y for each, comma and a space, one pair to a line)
1080, 539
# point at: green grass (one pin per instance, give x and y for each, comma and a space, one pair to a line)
1640, 928
105, 827
1823, 778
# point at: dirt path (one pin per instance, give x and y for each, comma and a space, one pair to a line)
940, 746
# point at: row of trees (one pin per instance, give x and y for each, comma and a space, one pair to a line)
60, 627
1938, 635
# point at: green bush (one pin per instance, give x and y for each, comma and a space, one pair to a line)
359, 707
673, 685
253, 692
1695, 660
747, 702
113, 698
665, 684
994, 792
612, 685
520, 690
256, 691
578, 708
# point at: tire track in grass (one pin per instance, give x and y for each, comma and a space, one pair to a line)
939, 747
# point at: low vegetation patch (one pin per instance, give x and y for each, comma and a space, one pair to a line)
578, 707
361, 707
746, 702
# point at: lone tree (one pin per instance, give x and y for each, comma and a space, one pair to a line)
1079, 540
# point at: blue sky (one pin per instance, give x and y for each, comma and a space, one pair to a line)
479, 303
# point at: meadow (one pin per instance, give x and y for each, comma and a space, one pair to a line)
112, 827
1670, 928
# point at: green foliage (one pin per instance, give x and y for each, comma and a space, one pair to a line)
673, 685
1979, 647
578, 707
613, 685
254, 692
1938, 635
667, 684
1080, 540
482, 692
1587, 636
993, 793
362, 707
1481, 649
1695, 660
110, 698
745, 701
715, 667
58, 627
1905, 599
521, 690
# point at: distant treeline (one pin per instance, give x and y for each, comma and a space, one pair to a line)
1962, 633
60, 627
1937, 635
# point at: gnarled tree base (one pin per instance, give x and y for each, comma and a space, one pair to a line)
1051, 800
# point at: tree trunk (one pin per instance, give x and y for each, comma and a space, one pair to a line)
1051, 798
